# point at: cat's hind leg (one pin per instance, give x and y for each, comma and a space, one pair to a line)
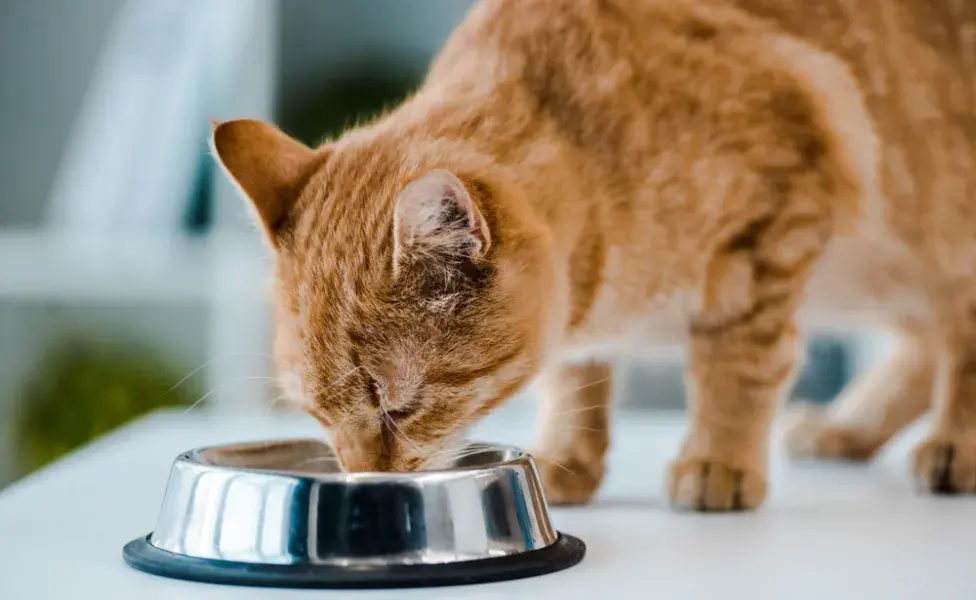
575, 431
871, 410
945, 462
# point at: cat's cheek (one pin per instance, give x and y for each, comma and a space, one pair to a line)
291, 386
329, 431
329, 435
482, 392
443, 455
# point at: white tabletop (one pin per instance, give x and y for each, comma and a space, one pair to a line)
827, 531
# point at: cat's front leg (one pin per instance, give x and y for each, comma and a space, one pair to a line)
575, 432
743, 354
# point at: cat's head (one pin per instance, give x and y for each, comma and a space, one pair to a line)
408, 302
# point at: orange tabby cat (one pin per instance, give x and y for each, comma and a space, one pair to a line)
578, 178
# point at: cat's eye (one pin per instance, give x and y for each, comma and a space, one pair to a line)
400, 414
376, 394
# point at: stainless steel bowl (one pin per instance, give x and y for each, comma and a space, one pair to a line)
281, 513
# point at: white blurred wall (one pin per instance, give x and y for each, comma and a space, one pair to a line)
48, 49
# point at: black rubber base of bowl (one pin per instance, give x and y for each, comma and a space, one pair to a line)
564, 553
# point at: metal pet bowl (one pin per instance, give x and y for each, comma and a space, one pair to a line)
282, 514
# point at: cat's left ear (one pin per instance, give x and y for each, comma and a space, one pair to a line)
267, 165
436, 215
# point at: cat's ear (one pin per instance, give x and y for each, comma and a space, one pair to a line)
267, 166
436, 215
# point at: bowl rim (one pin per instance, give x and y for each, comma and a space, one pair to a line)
195, 456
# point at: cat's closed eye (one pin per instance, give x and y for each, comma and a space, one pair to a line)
401, 414
381, 400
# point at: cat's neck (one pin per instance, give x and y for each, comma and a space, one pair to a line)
544, 189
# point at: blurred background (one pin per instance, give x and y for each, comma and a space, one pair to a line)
130, 277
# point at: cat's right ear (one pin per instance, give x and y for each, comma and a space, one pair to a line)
267, 166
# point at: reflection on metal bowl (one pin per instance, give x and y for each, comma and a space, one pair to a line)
281, 513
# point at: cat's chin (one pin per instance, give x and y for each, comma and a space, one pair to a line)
443, 457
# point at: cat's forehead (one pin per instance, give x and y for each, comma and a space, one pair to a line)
344, 217
351, 172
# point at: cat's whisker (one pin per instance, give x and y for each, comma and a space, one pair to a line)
283, 402
569, 393
451, 460
202, 398
456, 453
337, 381
573, 411
222, 387
538, 455
584, 428
211, 362
346, 374
448, 454
450, 445
347, 415
464, 451
398, 431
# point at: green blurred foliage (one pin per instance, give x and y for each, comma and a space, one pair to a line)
82, 390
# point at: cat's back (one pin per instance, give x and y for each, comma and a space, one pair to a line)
914, 63
870, 34
918, 55
914, 60
878, 34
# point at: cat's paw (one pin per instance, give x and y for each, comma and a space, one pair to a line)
810, 435
943, 465
707, 484
570, 481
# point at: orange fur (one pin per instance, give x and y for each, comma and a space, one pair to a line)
578, 178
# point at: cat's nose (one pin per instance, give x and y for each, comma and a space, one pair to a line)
357, 459
358, 453
356, 462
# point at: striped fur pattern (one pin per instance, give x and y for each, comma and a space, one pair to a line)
580, 179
